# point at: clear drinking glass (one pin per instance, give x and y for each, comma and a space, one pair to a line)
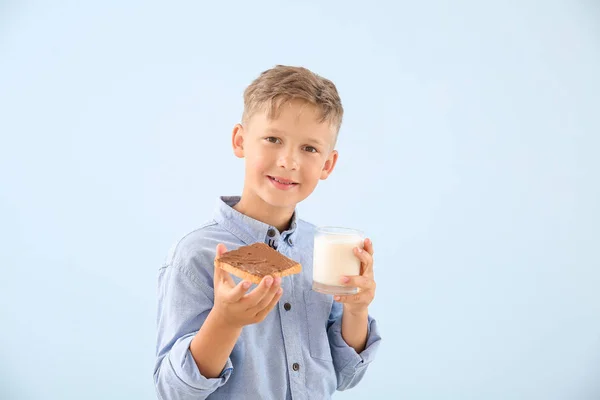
333, 257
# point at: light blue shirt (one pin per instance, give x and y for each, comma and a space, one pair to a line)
297, 352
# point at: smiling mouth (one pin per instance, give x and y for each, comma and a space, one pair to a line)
282, 181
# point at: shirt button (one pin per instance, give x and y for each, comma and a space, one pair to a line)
295, 366
287, 306
290, 242
271, 232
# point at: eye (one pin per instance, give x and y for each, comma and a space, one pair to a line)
310, 149
272, 139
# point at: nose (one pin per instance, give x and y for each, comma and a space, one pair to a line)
287, 160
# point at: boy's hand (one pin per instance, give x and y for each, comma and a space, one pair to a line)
358, 303
237, 308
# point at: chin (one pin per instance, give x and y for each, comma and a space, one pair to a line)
282, 200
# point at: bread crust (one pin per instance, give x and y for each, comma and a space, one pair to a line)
246, 276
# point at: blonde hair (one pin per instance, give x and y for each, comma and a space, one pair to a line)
281, 84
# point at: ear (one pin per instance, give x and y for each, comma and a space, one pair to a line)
329, 165
237, 140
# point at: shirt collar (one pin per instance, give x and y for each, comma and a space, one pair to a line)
250, 230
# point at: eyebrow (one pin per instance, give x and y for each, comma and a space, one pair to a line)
275, 131
316, 141
310, 140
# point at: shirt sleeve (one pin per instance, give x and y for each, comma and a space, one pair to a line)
184, 302
350, 366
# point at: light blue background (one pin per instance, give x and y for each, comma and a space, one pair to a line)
469, 153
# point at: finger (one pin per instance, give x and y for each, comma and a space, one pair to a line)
350, 299
366, 259
236, 294
369, 246
267, 298
220, 274
264, 287
360, 281
263, 313
220, 250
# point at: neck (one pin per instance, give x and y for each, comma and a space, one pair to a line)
256, 208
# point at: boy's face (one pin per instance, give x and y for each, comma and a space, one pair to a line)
287, 156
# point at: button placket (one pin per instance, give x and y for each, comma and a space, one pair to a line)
291, 327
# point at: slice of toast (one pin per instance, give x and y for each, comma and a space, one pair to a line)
253, 262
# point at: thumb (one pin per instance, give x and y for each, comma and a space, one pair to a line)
220, 250
221, 275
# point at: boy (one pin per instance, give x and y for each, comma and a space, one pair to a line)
219, 339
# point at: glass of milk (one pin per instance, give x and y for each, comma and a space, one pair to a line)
333, 258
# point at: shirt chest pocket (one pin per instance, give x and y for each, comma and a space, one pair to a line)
318, 309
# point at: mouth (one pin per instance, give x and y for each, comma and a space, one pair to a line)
282, 182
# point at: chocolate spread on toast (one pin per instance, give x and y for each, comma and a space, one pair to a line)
257, 259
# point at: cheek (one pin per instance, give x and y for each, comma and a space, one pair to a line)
256, 164
313, 169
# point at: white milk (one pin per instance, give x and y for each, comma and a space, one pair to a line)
334, 255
